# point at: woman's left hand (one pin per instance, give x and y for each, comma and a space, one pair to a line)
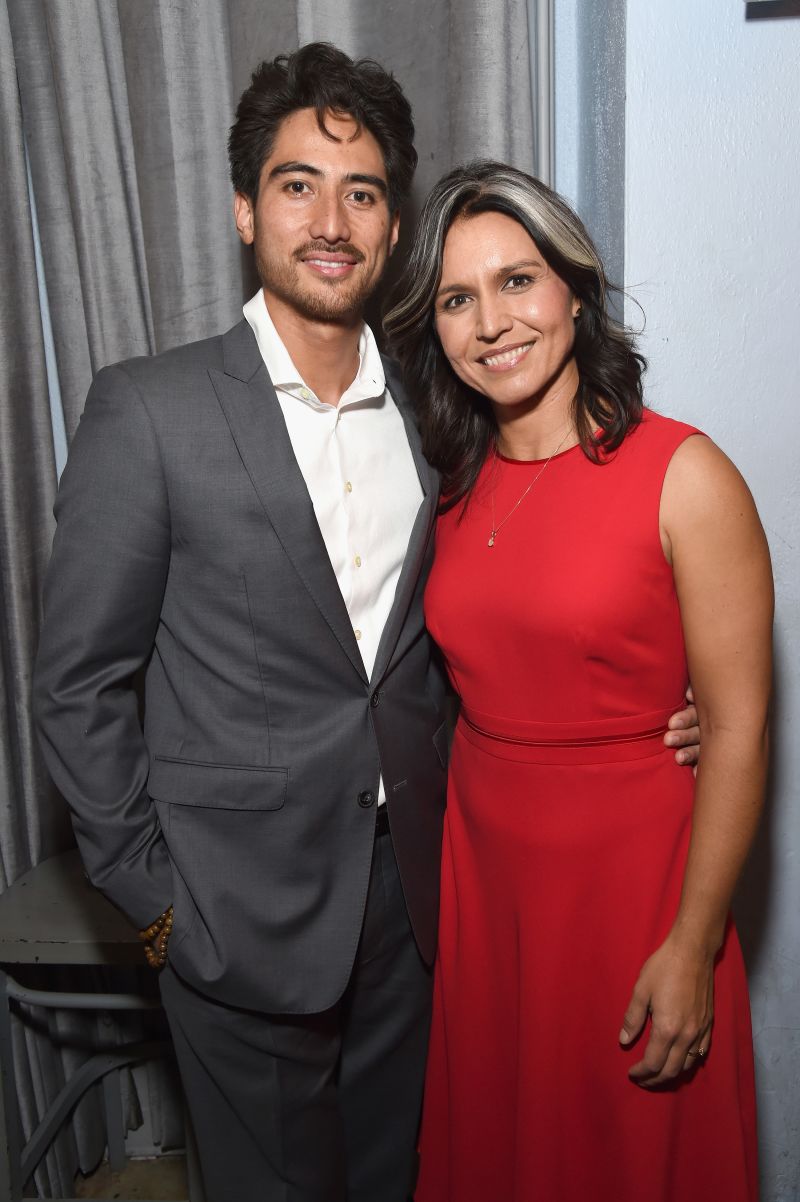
676, 988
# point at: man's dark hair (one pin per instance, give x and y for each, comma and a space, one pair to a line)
320, 77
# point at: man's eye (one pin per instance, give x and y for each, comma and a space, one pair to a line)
297, 187
361, 198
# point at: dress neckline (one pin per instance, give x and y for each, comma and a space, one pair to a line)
533, 462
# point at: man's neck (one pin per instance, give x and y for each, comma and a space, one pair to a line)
325, 353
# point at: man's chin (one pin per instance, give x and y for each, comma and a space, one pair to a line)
335, 307
335, 302
336, 311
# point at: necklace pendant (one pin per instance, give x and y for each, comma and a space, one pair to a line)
491, 539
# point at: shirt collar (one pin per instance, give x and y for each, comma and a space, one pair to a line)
369, 383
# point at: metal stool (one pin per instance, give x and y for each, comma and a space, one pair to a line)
53, 916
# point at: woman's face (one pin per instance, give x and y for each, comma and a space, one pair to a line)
505, 320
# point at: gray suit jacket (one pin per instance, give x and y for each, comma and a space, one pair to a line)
187, 542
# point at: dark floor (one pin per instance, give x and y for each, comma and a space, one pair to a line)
164, 1179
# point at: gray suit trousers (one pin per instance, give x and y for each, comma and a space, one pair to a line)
320, 1107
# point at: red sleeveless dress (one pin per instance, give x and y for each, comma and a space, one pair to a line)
566, 835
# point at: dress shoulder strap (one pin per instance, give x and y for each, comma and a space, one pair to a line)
638, 467
655, 440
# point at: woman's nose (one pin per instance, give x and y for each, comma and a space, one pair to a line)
493, 319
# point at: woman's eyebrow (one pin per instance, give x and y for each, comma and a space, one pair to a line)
505, 270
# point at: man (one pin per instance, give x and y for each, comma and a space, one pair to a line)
251, 517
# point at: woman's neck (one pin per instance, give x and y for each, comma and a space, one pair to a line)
538, 433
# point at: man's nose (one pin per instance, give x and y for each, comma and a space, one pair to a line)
329, 220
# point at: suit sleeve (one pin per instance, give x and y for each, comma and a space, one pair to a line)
102, 601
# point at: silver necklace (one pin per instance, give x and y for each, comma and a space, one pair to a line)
498, 526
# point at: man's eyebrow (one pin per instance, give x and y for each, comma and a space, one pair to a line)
294, 168
354, 177
374, 181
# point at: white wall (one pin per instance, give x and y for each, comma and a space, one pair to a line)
712, 252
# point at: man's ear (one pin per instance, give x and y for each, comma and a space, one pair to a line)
243, 216
394, 230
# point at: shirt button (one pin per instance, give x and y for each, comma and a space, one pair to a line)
357, 633
349, 486
357, 561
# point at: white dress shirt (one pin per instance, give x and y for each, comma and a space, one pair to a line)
360, 475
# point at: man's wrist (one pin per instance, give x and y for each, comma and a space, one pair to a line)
156, 937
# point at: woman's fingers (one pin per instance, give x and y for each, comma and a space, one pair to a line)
635, 1017
697, 1053
665, 1058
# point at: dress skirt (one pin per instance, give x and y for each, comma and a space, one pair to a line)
549, 911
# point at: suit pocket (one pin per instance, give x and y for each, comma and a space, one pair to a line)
217, 786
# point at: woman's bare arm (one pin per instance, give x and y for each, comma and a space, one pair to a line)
713, 538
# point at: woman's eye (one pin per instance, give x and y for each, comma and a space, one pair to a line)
455, 302
518, 281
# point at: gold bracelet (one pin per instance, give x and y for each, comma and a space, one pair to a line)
158, 933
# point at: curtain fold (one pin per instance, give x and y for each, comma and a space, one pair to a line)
177, 62
32, 819
126, 117
28, 818
124, 108
72, 85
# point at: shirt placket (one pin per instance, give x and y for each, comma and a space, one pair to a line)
354, 501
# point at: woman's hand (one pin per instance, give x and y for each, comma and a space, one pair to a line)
676, 988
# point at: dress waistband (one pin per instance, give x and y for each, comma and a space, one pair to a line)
630, 737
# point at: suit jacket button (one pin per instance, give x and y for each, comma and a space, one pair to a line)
375, 699
366, 799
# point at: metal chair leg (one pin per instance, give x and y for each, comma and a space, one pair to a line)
10, 1122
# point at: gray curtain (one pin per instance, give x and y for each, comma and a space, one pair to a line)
127, 104
124, 107
32, 822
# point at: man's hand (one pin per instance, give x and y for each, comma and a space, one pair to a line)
684, 733
155, 939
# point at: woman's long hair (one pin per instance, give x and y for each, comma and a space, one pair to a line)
457, 423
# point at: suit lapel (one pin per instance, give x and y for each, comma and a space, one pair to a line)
420, 533
254, 416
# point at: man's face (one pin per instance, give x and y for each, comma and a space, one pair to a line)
321, 226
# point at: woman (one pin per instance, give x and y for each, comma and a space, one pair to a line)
591, 1034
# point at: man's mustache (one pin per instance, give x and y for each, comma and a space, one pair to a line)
340, 248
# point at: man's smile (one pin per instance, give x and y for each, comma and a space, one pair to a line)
333, 264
